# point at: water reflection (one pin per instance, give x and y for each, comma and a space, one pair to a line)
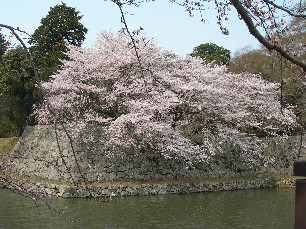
265, 208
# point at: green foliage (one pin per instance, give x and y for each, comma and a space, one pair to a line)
210, 52
17, 92
11, 117
17, 82
60, 27
3, 45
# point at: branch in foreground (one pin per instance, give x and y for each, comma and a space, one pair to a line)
285, 9
49, 106
269, 45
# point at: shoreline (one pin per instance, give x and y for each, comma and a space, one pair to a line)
134, 188
146, 185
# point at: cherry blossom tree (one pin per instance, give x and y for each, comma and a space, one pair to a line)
159, 102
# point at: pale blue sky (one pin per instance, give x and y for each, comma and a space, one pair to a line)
167, 23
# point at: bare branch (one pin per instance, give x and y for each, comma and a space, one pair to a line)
284, 9
130, 35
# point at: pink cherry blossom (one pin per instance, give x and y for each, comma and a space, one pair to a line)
161, 102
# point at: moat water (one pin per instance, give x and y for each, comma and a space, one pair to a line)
262, 208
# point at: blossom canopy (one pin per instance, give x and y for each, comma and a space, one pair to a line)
160, 101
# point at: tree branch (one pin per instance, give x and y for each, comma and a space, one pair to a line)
12, 29
269, 45
284, 9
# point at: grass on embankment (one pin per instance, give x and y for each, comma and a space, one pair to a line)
7, 145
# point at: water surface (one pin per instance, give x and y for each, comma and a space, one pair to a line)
263, 208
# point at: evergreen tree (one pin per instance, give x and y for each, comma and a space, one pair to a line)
3, 45
211, 52
17, 92
60, 27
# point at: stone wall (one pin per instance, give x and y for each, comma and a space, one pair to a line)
39, 157
108, 190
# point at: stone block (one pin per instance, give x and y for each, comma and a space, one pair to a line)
112, 176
